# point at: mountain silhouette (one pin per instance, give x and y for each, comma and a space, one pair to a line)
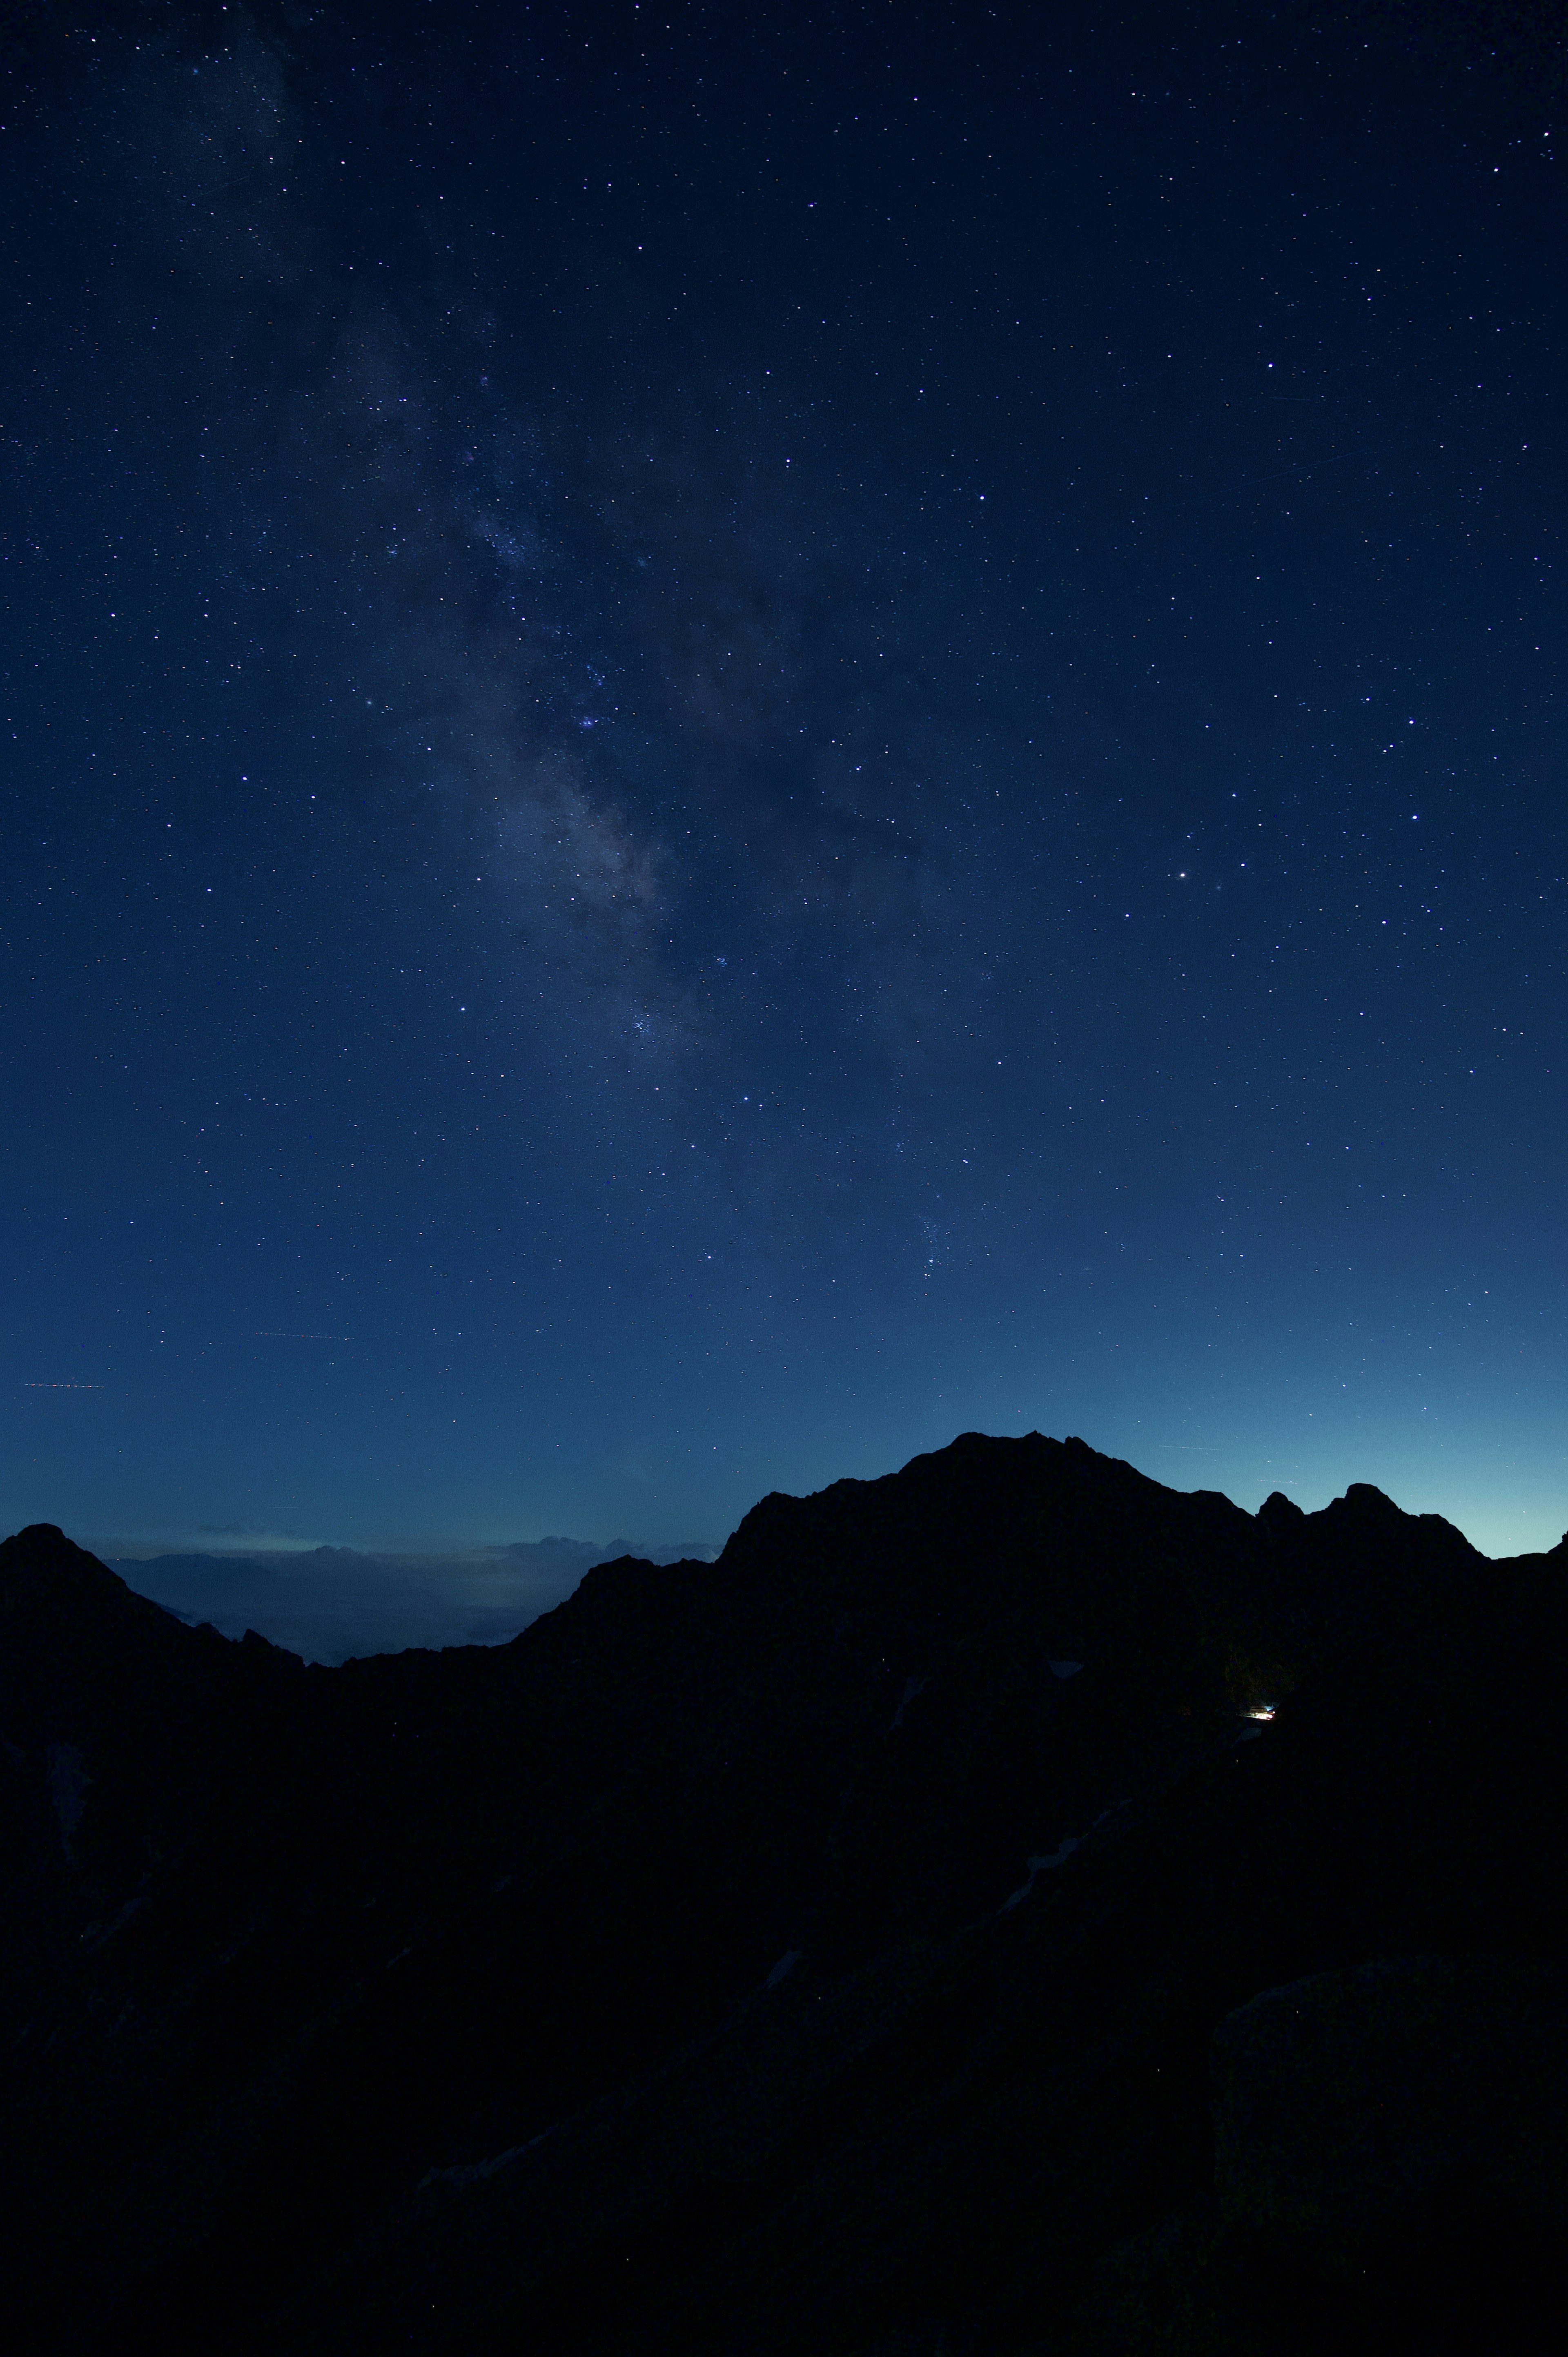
1009, 1906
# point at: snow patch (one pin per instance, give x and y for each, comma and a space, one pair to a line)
1059, 1857
68, 1780
97, 1933
474, 2172
912, 1687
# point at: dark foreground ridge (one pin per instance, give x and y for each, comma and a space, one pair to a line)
895, 1937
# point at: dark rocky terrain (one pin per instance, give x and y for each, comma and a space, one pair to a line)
893, 1937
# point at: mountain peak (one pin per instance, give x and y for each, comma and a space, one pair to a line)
778, 1906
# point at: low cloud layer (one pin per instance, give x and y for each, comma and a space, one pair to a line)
335, 1604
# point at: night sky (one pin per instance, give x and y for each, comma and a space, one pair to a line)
735, 738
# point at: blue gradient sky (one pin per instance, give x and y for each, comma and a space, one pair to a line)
729, 747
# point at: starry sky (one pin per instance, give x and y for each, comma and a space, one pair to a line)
733, 739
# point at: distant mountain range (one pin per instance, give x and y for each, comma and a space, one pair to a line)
333, 1604
1008, 1907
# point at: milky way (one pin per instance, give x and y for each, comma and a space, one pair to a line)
730, 749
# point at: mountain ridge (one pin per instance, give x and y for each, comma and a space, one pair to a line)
358, 2003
